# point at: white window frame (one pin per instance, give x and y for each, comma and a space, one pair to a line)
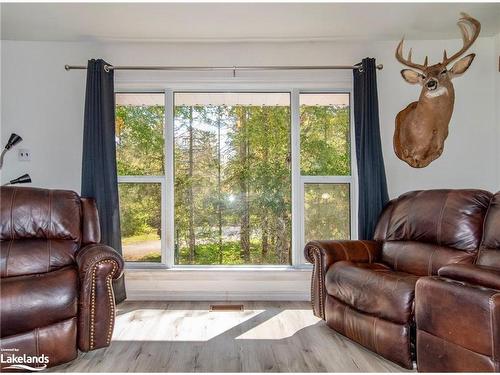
152, 179
304, 179
297, 180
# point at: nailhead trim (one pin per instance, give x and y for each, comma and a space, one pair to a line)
315, 255
109, 280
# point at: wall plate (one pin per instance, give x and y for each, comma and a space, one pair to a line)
23, 154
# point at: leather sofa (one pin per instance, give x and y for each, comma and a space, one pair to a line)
458, 312
365, 290
56, 291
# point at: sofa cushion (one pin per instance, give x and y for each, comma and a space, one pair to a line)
373, 288
39, 213
449, 218
490, 248
420, 258
32, 256
488, 277
39, 300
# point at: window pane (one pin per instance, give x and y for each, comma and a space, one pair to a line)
139, 134
325, 135
232, 178
327, 212
140, 215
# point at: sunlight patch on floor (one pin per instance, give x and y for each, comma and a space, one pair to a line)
281, 326
177, 325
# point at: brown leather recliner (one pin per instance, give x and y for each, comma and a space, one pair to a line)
365, 289
458, 313
56, 279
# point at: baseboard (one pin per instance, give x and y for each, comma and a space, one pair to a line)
218, 285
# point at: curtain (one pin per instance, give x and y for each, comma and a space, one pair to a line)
99, 175
371, 172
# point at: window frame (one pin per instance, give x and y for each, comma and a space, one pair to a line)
144, 179
351, 180
297, 259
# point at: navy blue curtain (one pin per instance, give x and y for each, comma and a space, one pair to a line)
371, 172
99, 175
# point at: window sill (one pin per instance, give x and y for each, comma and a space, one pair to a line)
163, 268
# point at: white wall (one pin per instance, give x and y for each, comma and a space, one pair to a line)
44, 103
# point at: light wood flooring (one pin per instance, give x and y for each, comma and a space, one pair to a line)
187, 337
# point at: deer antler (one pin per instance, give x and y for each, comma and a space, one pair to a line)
408, 62
468, 40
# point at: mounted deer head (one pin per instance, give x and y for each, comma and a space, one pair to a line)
422, 127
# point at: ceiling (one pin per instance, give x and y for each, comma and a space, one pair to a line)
212, 22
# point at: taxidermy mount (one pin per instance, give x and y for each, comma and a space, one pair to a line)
422, 127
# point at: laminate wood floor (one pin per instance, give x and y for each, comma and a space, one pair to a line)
187, 337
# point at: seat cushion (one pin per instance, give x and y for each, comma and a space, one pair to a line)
57, 342
32, 256
373, 288
28, 302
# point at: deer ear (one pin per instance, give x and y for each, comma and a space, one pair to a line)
411, 76
461, 66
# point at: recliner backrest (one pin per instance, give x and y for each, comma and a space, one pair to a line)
425, 230
40, 230
489, 254
40, 213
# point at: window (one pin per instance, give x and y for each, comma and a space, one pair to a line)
325, 135
325, 165
208, 178
232, 178
327, 211
140, 162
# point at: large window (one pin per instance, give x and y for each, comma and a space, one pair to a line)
141, 168
208, 178
232, 178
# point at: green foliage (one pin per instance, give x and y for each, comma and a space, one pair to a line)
150, 257
140, 211
324, 141
210, 254
327, 211
139, 140
232, 179
232, 175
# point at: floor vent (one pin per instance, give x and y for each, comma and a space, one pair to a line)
227, 308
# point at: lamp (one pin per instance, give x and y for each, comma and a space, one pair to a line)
14, 139
24, 179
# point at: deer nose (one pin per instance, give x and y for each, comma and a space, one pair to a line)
431, 84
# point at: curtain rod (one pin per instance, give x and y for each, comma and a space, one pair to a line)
234, 69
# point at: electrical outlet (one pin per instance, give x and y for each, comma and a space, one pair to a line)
23, 154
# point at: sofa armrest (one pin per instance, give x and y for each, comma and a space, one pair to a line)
488, 277
458, 326
322, 254
98, 265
